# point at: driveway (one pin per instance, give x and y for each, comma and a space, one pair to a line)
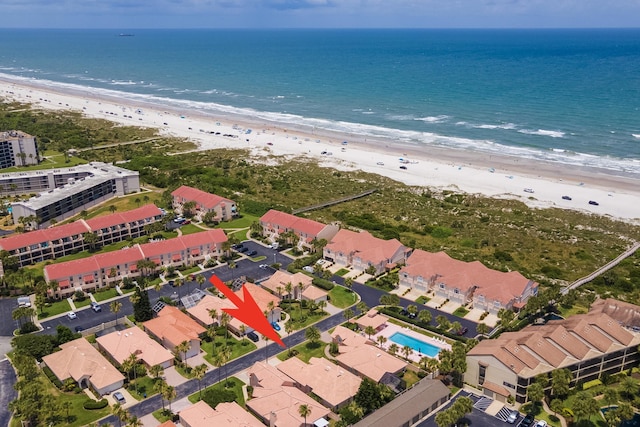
7, 392
7, 325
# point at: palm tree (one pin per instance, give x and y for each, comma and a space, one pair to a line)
137, 201
288, 328
279, 290
393, 349
179, 282
213, 313
381, 340
300, 288
412, 309
200, 280
243, 331
112, 208
482, 328
304, 411
406, 350
424, 316
348, 283
134, 421
288, 288
225, 319
347, 314
199, 372
156, 371
159, 387
183, 348
370, 330
266, 351
362, 307
115, 307
120, 413
169, 393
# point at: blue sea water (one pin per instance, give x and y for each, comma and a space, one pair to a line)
566, 96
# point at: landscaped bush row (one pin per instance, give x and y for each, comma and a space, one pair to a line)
395, 313
92, 404
323, 283
49, 373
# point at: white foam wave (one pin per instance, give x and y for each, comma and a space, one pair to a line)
505, 126
123, 83
543, 132
636, 135
433, 119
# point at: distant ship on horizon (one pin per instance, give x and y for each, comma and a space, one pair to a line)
126, 35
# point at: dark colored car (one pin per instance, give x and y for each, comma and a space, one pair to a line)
79, 328
594, 203
527, 421
462, 331
253, 336
403, 167
566, 198
172, 283
404, 312
252, 253
243, 249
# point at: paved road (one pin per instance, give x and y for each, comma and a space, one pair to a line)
7, 392
7, 325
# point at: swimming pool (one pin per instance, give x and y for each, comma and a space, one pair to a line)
629, 423
417, 345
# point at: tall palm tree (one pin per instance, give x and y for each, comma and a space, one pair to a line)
381, 340
393, 349
199, 372
183, 348
120, 413
134, 421
370, 330
406, 350
156, 371
288, 288
304, 411
159, 387
115, 307
270, 306
169, 393
424, 316
200, 280
132, 364
288, 328
213, 313
225, 319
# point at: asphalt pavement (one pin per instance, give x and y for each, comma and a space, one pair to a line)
7, 392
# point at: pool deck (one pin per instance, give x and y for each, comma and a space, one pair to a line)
414, 356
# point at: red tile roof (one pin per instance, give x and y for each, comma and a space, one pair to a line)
204, 238
364, 246
162, 247
70, 268
492, 284
146, 211
292, 222
120, 257
202, 198
46, 235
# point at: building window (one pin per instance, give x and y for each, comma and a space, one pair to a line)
482, 371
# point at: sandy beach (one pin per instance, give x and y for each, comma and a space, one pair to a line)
457, 170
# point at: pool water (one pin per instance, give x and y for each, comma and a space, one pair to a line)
635, 421
417, 345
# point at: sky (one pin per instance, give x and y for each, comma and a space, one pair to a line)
134, 14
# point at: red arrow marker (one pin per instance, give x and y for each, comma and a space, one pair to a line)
247, 311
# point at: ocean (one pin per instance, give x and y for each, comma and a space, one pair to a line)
564, 96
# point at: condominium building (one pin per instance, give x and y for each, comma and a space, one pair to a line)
588, 345
103, 182
55, 242
222, 208
17, 149
274, 223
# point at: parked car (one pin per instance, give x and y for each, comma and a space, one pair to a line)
527, 421
274, 245
380, 163
541, 423
263, 266
118, 397
96, 307
403, 167
529, 190
275, 326
320, 261
243, 249
71, 315
172, 283
79, 328
462, 331
566, 198
594, 203
253, 336
513, 416
252, 253
404, 312
308, 268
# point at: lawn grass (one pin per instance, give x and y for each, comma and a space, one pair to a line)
423, 299
191, 270
235, 385
105, 295
84, 303
306, 351
341, 272
53, 160
162, 415
190, 229
241, 235
144, 385
51, 309
244, 221
304, 319
238, 347
342, 297
460, 312
410, 377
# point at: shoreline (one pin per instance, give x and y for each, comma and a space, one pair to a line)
473, 172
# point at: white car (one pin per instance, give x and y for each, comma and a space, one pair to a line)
308, 269
528, 190
320, 262
71, 315
513, 416
541, 423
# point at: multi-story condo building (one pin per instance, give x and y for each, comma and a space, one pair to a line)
588, 345
55, 242
111, 267
103, 182
18, 149
222, 208
274, 223
464, 282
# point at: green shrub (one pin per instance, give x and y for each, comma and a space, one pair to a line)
214, 396
323, 283
553, 418
587, 385
92, 404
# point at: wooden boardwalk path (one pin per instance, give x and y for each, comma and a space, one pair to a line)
334, 202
